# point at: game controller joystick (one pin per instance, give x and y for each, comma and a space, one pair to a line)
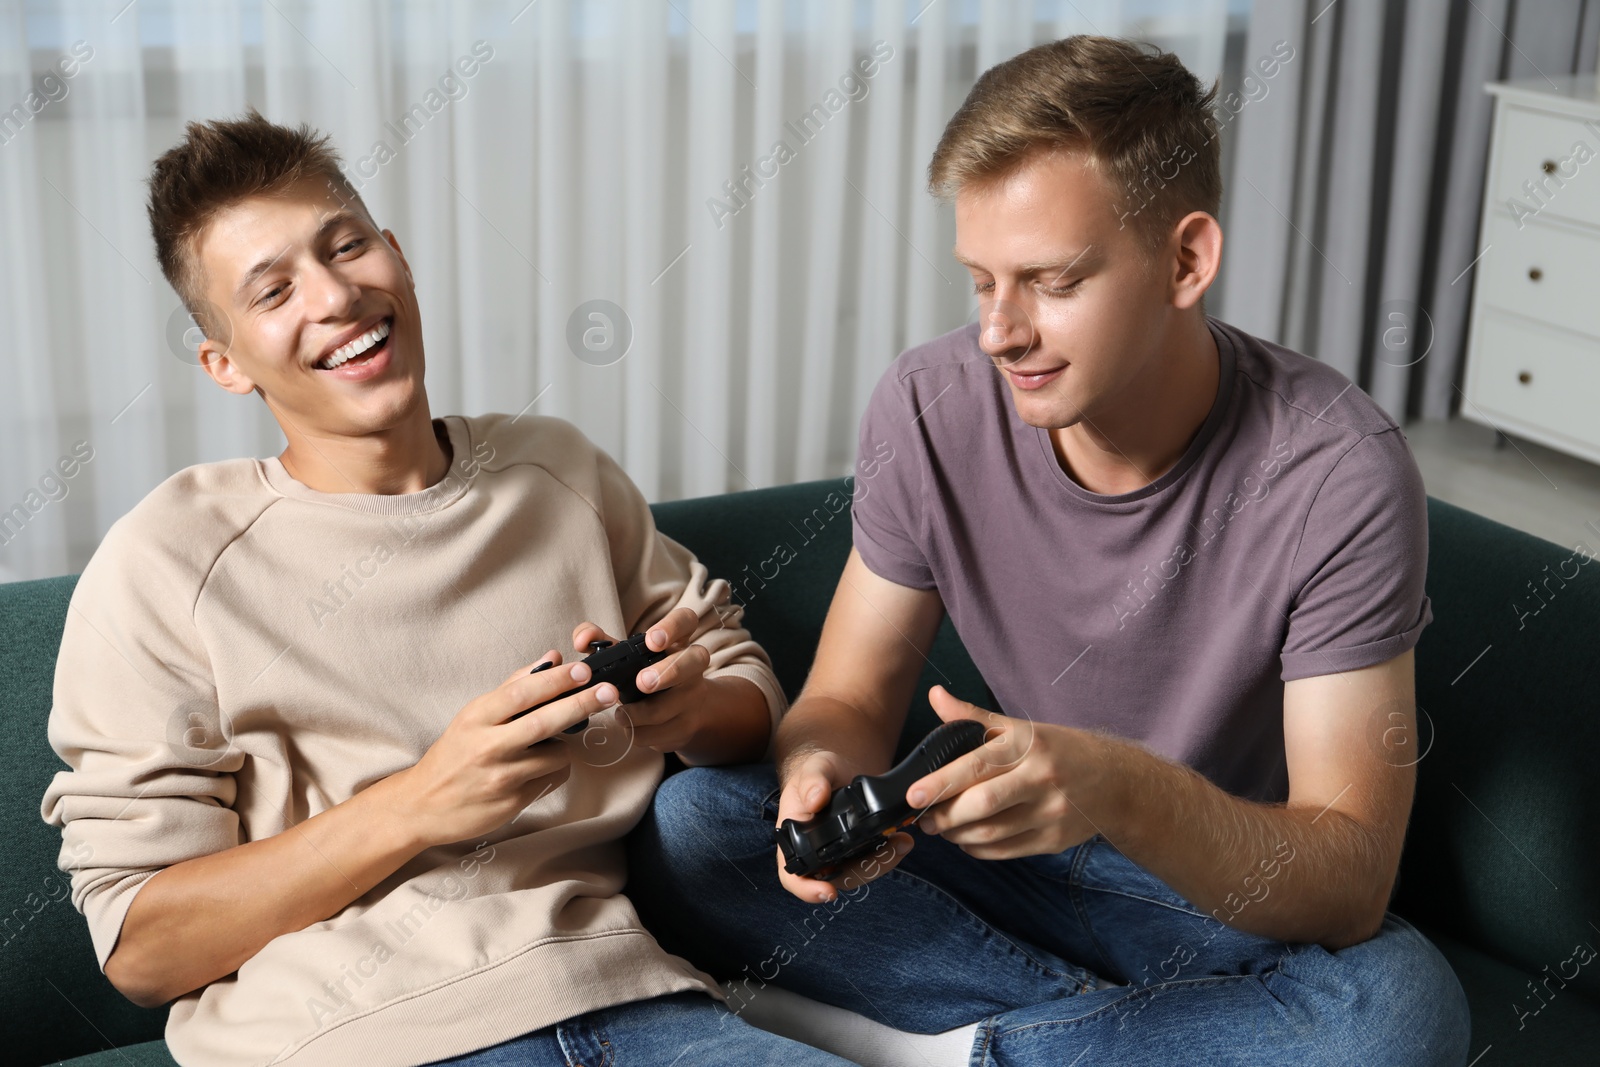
617, 662
863, 813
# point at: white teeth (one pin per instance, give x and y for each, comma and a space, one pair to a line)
351, 350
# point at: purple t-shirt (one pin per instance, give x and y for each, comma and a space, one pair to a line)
1290, 540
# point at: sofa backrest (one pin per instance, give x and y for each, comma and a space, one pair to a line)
1498, 853
782, 550
56, 1002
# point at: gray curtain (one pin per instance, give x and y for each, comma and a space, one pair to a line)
1357, 179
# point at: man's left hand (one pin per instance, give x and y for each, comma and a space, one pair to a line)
672, 715
1026, 791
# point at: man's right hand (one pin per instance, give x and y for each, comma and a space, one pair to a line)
806, 791
873, 645
487, 765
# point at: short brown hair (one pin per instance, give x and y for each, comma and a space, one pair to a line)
217, 164
1134, 109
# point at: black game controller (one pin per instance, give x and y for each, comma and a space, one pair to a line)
867, 810
617, 662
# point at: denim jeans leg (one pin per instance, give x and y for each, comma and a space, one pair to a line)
677, 1030
666, 1031
944, 938
903, 950
1201, 991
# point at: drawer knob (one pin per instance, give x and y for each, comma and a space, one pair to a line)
1524, 377
1548, 166
1535, 273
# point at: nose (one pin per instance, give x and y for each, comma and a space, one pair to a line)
329, 294
1005, 330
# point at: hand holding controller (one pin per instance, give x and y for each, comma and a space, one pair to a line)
863, 813
616, 662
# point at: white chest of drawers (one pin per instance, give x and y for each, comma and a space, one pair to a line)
1533, 351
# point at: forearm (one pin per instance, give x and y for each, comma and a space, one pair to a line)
1293, 873
738, 723
860, 739
200, 920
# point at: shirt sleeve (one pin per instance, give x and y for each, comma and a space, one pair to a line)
1361, 565
135, 718
656, 575
887, 501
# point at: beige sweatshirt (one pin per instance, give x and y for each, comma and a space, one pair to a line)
244, 652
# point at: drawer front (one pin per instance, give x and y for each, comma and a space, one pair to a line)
1532, 141
1539, 376
1545, 272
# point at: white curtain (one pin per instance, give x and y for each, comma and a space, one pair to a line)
1362, 169
587, 157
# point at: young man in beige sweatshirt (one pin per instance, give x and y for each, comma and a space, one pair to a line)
302, 805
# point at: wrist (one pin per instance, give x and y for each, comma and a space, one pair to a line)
1126, 779
730, 722
788, 761
394, 815
821, 726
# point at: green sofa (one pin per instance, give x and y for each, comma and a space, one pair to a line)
1498, 868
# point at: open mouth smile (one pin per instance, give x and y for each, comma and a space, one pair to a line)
362, 356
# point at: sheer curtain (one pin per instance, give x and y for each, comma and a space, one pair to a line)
592, 195
1362, 176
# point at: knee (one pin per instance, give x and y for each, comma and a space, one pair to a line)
1408, 1006
710, 813
1439, 1004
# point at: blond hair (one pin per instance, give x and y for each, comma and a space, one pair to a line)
1143, 119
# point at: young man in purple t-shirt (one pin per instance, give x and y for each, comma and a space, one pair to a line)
1189, 565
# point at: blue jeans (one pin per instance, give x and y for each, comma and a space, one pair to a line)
680, 1028
1078, 957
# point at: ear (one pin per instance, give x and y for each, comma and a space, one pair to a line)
1199, 245
215, 361
394, 243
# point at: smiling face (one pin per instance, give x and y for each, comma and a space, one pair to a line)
1074, 309
297, 279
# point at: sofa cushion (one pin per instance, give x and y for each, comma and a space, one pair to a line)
144, 1054
1562, 1034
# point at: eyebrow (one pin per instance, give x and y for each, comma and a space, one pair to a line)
1059, 268
333, 221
